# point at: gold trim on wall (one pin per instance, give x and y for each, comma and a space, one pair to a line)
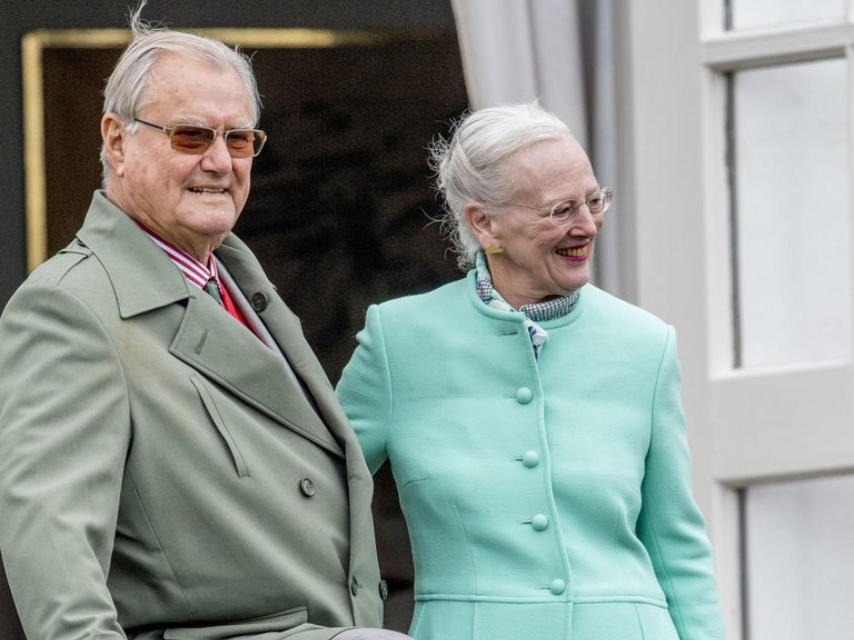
35, 42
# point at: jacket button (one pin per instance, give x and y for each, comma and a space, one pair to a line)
307, 487
530, 459
524, 395
557, 587
259, 301
539, 522
354, 586
383, 587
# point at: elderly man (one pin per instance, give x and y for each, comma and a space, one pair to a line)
173, 462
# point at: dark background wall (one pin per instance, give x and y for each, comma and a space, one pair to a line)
340, 198
20, 16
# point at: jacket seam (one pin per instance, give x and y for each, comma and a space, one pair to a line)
159, 544
575, 600
56, 289
640, 622
469, 547
389, 425
129, 474
675, 609
109, 337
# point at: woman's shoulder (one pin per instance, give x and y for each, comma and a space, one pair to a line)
603, 307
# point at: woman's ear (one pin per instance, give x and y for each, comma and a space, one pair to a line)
481, 224
113, 136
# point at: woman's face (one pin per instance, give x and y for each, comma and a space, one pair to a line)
541, 259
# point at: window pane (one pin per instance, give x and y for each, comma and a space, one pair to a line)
791, 209
800, 559
762, 13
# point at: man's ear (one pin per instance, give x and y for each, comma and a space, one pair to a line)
481, 224
113, 137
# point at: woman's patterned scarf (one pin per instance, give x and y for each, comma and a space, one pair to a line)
534, 313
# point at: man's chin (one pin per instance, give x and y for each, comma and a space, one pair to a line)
211, 221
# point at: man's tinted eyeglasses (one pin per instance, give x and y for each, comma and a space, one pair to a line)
195, 139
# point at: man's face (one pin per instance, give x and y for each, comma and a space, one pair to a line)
191, 200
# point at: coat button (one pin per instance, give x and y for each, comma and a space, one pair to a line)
354, 586
524, 395
259, 301
557, 587
530, 459
539, 522
383, 587
307, 487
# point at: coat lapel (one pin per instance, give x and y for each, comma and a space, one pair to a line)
223, 350
286, 329
212, 342
208, 339
144, 279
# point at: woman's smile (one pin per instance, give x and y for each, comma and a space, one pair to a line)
574, 254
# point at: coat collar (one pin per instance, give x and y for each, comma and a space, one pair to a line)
142, 276
286, 329
144, 279
517, 317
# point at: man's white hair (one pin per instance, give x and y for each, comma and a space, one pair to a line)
125, 93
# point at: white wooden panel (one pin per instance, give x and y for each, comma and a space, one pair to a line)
716, 208
749, 425
800, 560
759, 13
738, 50
779, 423
791, 178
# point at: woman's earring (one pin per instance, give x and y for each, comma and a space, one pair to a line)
491, 251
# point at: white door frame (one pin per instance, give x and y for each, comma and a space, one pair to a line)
745, 426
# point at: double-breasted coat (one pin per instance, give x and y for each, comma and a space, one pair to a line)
161, 474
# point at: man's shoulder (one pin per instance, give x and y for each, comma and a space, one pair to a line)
66, 264
75, 270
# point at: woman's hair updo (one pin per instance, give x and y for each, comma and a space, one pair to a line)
470, 165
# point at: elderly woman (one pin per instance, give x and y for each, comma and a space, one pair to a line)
532, 421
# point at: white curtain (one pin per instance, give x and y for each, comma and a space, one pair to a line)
559, 52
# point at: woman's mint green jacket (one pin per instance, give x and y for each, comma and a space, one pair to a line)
545, 499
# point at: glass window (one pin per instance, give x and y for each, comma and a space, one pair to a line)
789, 138
745, 14
799, 559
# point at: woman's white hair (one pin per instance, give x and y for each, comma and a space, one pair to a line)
470, 165
125, 92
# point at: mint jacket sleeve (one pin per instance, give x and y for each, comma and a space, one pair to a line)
365, 391
670, 524
64, 433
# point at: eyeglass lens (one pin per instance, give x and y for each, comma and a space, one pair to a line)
597, 204
241, 143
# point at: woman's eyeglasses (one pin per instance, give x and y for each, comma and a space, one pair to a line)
195, 139
567, 211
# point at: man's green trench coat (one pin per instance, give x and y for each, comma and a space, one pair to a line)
161, 474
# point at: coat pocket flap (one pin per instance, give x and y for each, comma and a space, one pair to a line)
276, 623
216, 418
